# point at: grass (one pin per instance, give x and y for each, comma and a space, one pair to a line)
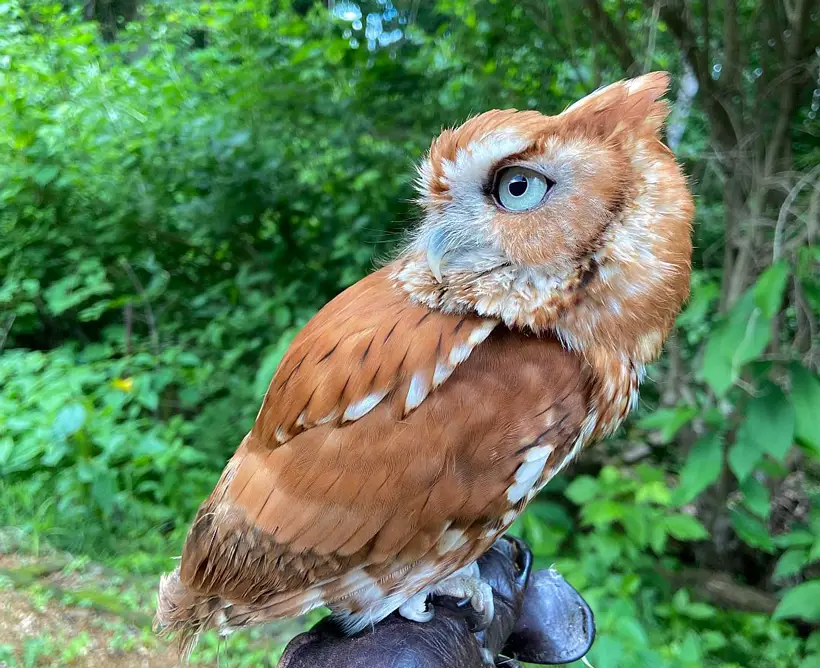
51, 566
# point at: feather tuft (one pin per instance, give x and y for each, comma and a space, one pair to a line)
183, 612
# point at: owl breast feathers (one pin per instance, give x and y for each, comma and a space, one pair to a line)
416, 414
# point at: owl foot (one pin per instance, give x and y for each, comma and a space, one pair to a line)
416, 609
472, 595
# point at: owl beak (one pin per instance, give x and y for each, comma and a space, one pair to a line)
437, 247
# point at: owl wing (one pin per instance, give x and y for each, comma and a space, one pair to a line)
391, 435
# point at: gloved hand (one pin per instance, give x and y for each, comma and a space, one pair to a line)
539, 618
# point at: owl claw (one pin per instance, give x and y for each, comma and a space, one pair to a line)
476, 620
463, 592
472, 595
416, 609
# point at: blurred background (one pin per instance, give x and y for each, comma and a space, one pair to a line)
183, 184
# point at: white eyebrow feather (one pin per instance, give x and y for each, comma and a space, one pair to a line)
473, 162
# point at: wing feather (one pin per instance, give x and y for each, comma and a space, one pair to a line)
349, 359
385, 427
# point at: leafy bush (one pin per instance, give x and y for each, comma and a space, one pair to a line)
83, 433
177, 199
754, 417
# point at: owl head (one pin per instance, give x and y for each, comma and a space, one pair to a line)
578, 224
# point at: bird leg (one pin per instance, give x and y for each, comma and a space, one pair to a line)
472, 595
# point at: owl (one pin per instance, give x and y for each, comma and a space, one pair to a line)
415, 416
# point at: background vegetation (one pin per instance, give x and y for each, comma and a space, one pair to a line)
183, 184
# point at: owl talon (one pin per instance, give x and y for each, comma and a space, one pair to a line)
460, 606
463, 608
473, 596
416, 609
476, 621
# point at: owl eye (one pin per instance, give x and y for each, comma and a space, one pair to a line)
520, 189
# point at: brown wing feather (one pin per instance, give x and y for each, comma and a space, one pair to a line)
349, 358
293, 520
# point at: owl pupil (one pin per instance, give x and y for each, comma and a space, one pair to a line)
518, 186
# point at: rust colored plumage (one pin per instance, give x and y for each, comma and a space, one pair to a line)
415, 416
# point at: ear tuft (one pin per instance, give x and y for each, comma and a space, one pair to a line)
632, 106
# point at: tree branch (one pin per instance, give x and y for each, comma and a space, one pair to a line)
721, 590
798, 20
128, 321
677, 18
613, 35
149, 312
785, 210
704, 32
544, 22
653, 32
4, 335
731, 48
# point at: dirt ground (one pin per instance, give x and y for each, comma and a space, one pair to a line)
40, 624
56, 610
22, 623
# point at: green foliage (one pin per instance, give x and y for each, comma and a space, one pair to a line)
83, 435
701, 469
764, 413
177, 202
620, 553
806, 398
746, 332
802, 602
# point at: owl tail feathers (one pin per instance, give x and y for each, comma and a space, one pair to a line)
185, 613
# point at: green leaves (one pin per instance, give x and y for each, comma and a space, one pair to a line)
46, 175
639, 504
582, 490
69, 421
77, 424
791, 562
668, 421
751, 530
768, 429
18, 456
805, 397
746, 332
702, 468
768, 290
607, 653
638, 527
685, 527
88, 280
770, 420
704, 293
601, 512
801, 602
744, 454
756, 497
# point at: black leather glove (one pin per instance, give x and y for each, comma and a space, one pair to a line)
539, 618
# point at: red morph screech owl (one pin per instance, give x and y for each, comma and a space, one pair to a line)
416, 415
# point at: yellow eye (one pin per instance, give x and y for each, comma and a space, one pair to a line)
520, 189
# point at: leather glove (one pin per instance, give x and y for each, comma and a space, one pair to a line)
539, 618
